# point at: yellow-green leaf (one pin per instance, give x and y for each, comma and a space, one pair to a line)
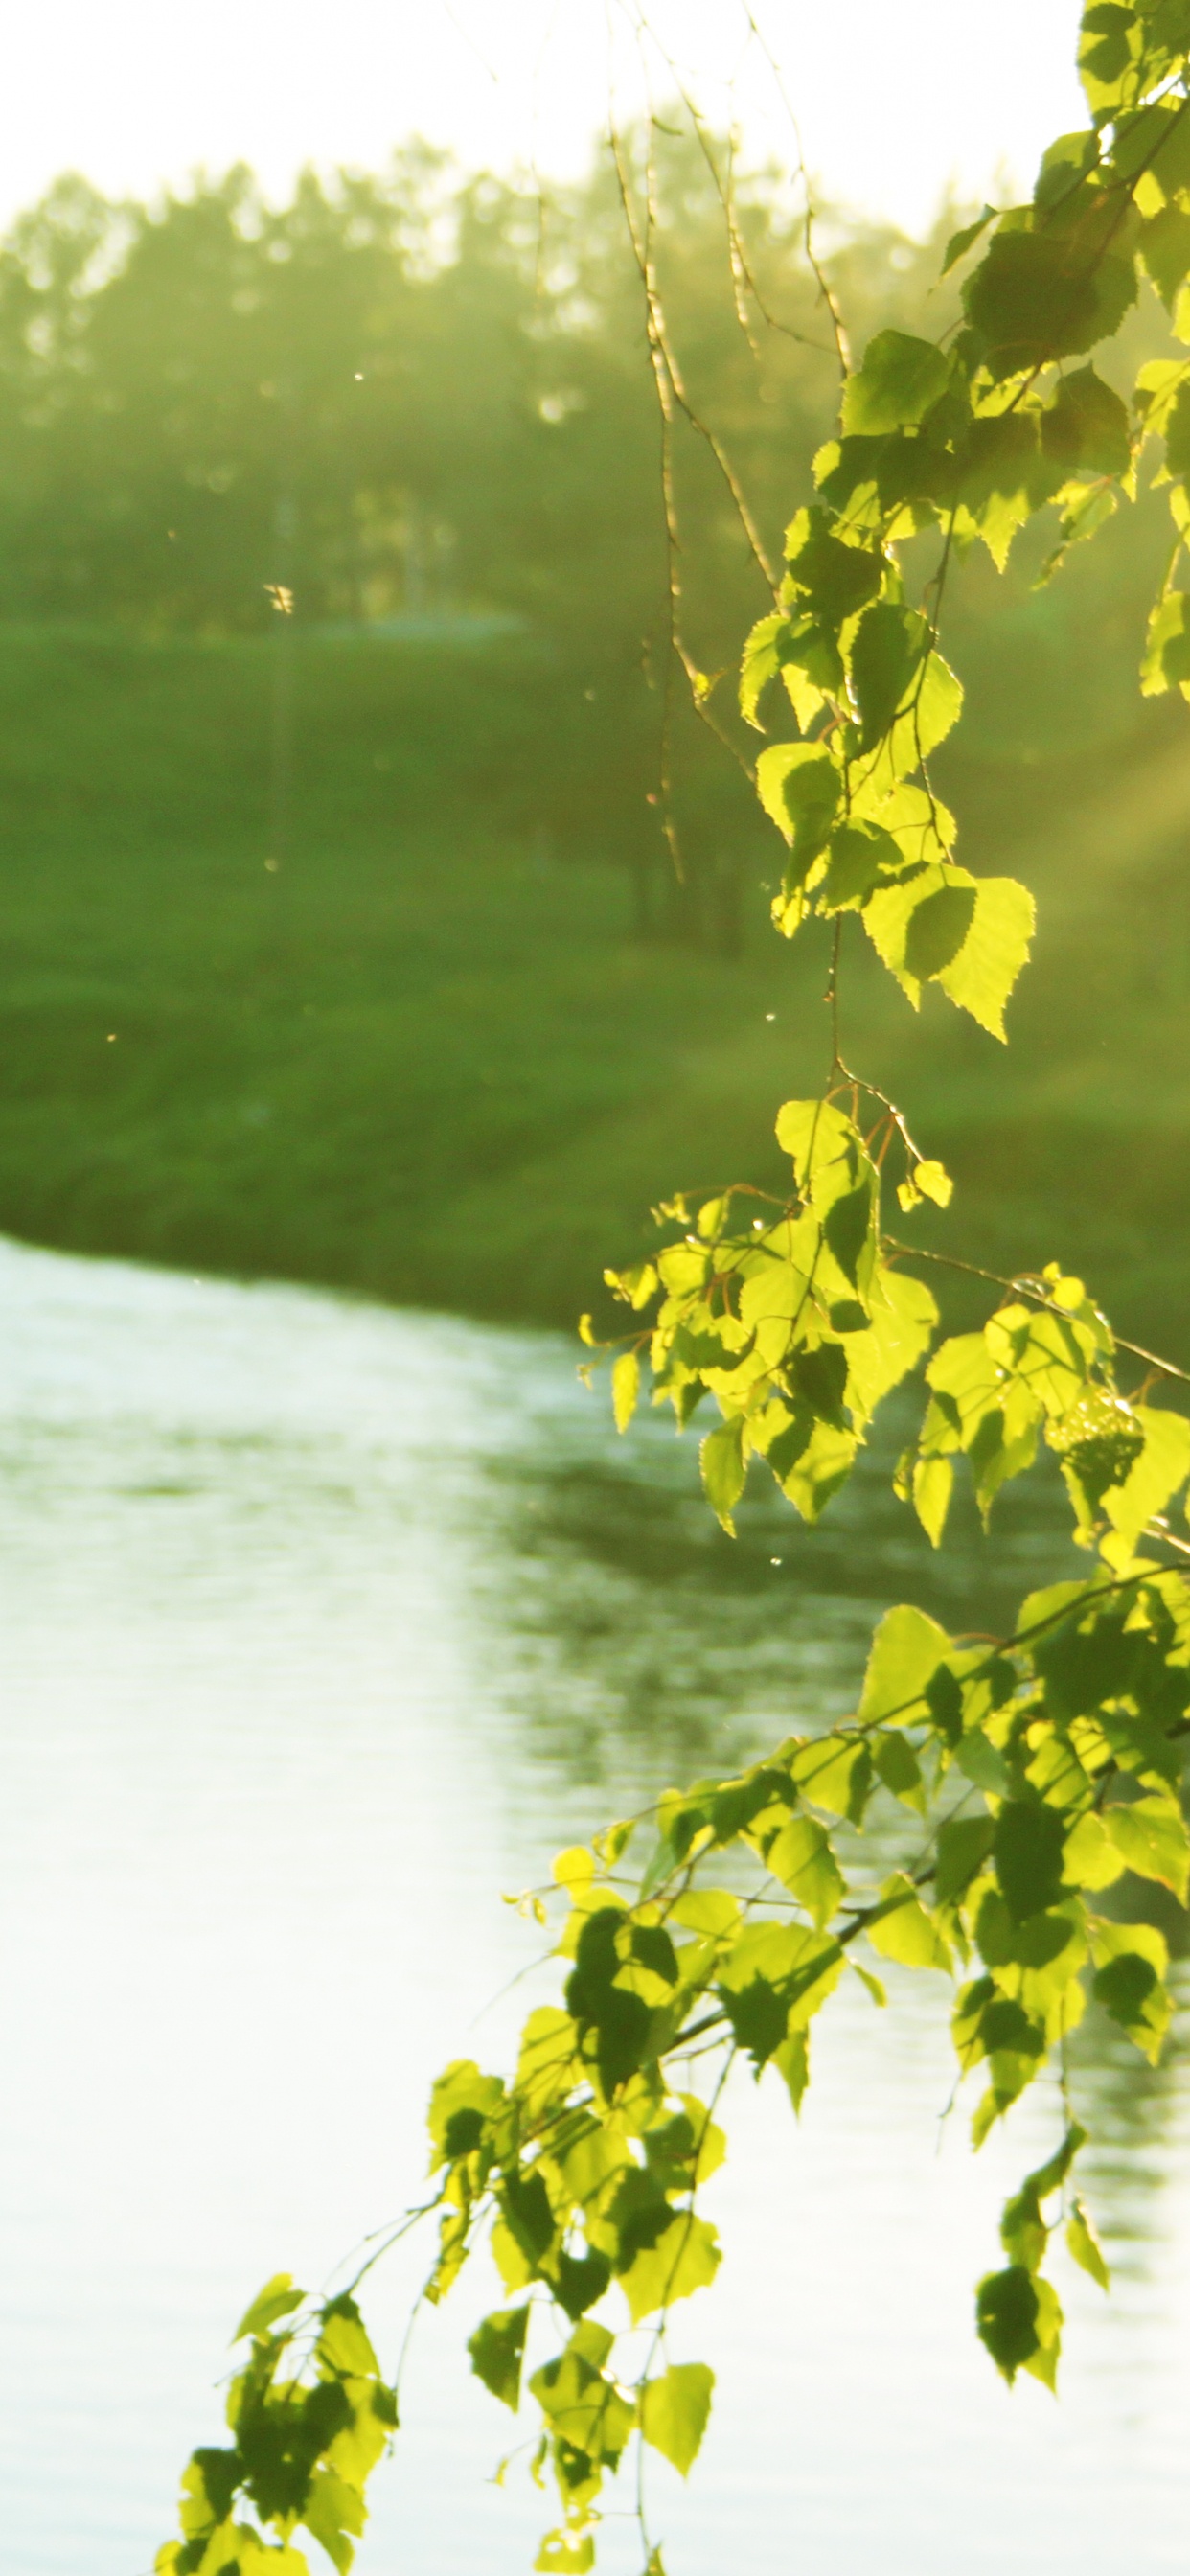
721, 1458
1085, 2247
900, 380
906, 1651
1151, 1838
906, 1932
625, 1388
799, 787
674, 2412
802, 1858
277, 2299
684, 2258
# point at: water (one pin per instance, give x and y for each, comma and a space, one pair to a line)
322, 1627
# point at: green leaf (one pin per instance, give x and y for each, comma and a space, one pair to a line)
933, 1485
1085, 2247
792, 2061
1037, 296
497, 2349
835, 1772
964, 240
721, 1458
683, 2258
936, 930
634, 1287
889, 649
859, 854
1029, 1849
970, 935
902, 1318
1165, 250
278, 2298
899, 382
826, 1149
675, 2410
848, 1229
1085, 427
1006, 2314
332, 2511
799, 787
1131, 1960
1151, 1838
963, 1847
775, 1978
931, 708
1086, 507
461, 2104
1162, 1467
822, 1463
836, 579
905, 1931
804, 1861
760, 665
343, 2345
933, 1181
900, 1770
1019, 2321
981, 976
1166, 661
579, 2280
907, 1648
625, 1388
1092, 1860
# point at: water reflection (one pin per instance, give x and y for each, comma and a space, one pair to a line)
321, 1626
648, 1638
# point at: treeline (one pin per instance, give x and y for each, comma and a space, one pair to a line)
409, 397
405, 393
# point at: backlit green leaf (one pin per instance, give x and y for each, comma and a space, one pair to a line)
906, 1651
625, 1388
683, 2258
1037, 296
899, 382
1151, 1838
1085, 2247
277, 2299
674, 2412
1166, 663
721, 1457
1028, 1847
904, 1930
799, 786
802, 1858
497, 2350
964, 240
1130, 1964
887, 655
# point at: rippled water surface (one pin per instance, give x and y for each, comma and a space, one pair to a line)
322, 1627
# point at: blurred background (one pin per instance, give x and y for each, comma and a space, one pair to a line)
338, 941
344, 969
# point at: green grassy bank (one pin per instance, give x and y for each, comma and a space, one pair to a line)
433, 1057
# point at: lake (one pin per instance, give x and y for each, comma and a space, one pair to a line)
323, 1627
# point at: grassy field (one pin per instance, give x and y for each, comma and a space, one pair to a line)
430, 1058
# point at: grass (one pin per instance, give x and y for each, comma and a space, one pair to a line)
429, 1058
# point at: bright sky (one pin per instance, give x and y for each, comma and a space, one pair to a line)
894, 97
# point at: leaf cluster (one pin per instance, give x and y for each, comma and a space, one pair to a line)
310, 2415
